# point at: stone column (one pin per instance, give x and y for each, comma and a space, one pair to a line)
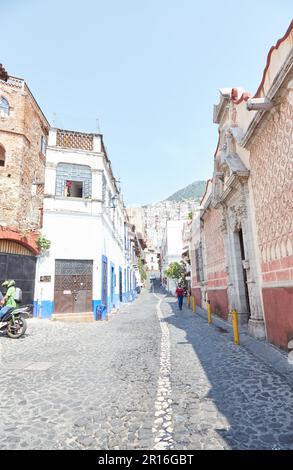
256, 326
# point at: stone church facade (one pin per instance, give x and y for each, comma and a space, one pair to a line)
23, 134
247, 214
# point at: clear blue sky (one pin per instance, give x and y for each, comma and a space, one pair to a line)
149, 70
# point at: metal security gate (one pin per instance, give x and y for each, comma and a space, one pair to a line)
22, 269
73, 286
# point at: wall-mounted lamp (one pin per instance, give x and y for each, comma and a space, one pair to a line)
113, 204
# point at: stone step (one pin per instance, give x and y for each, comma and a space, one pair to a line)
74, 317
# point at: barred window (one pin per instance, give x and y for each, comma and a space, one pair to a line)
199, 264
73, 180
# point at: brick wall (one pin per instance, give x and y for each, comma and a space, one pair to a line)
215, 261
20, 135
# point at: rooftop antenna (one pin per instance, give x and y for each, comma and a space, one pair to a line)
98, 129
54, 119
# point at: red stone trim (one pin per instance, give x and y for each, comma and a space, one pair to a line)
244, 97
279, 320
29, 241
219, 302
196, 292
272, 49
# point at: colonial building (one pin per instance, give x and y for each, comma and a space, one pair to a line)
171, 250
136, 217
23, 134
152, 260
246, 223
192, 256
88, 270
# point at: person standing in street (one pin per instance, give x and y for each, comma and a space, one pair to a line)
180, 294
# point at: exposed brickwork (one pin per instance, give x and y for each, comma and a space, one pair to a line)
20, 136
74, 140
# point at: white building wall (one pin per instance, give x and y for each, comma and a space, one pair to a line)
82, 229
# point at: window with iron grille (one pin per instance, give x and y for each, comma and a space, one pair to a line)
199, 264
4, 107
73, 180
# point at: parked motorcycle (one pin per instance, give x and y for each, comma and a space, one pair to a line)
13, 322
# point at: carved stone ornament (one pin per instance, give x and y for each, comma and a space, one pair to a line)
236, 216
223, 226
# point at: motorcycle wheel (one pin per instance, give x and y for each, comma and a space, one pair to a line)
17, 329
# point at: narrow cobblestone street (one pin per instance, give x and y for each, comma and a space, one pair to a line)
151, 377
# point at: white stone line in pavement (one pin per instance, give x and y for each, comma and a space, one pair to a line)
163, 427
1, 353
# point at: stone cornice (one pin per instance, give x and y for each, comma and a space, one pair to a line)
232, 182
90, 153
277, 284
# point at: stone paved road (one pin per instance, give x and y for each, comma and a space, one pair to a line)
150, 377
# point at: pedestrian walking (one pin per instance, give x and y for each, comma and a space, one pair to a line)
180, 294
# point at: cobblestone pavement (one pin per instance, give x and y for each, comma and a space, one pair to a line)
150, 377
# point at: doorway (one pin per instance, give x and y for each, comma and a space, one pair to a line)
105, 281
120, 285
21, 268
73, 286
112, 285
241, 274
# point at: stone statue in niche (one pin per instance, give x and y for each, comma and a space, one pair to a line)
233, 117
230, 147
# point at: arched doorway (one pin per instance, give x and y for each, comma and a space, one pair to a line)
19, 263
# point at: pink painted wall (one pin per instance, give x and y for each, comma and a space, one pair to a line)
278, 305
215, 262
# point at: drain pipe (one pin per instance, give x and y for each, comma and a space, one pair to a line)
259, 104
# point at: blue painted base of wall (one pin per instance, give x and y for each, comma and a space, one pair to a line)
44, 309
130, 296
99, 311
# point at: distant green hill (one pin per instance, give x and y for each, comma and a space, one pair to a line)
192, 191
